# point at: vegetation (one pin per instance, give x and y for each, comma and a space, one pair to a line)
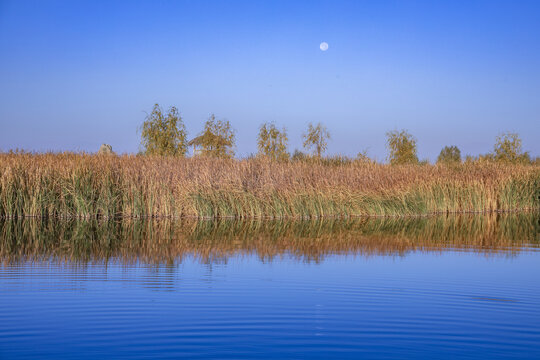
272, 142
217, 139
105, 149
299, 156
449, 155
316, 138
164, 134
508, 149
80, 185
363, 156
167, 242
214, 184
402, 148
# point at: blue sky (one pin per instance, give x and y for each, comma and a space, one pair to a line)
76, 74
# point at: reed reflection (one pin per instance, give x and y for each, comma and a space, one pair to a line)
168, 242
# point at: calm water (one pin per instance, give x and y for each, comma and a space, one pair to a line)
464, 287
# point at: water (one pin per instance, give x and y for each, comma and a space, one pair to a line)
440, 287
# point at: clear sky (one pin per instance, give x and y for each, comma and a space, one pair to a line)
76, 74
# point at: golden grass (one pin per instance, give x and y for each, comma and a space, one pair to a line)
169, 241
81, 185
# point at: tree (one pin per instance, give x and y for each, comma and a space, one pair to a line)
298, 155
164, 134
508, 149
449, 155
217, 138
402, 147
362, 156
272, 142
316, 137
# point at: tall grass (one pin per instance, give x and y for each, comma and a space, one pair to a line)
168, 241
80, 185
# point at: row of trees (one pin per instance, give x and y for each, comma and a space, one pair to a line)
508, 149
165, 134
403, 150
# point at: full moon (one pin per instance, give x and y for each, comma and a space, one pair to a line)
324, 46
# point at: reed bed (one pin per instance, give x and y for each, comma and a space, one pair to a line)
164, 241
92, 186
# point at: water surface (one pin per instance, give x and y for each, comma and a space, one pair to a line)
438, 287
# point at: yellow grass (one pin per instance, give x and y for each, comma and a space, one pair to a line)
169, 241
82, 185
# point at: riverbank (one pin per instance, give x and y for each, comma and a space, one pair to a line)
168, 241
81, 185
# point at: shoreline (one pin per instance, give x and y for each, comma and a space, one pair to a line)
267, 218
168, 241
91, 186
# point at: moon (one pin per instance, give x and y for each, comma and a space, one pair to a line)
324, 46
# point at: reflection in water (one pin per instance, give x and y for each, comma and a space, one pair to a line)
186, 289
167, 241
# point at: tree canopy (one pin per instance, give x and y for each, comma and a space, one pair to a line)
272, 142
402, 147
508, 149
217, 138
449, 155
316, 138
164, 134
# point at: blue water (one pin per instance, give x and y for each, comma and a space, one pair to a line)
425, 304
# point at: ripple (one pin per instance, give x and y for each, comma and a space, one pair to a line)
251, 309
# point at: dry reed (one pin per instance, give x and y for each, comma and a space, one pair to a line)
169, 241
81, 185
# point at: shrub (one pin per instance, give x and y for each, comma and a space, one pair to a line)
363, 157
299, 155
402, 147
217, 139
449, 155
316, 138
164, 134
508, 149
272, 142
